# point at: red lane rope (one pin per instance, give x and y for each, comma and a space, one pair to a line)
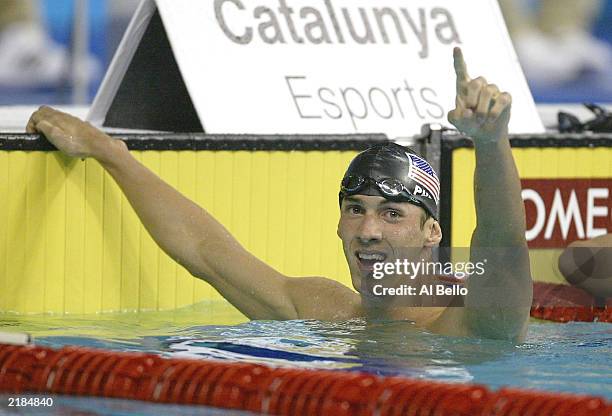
563, 303
262, 389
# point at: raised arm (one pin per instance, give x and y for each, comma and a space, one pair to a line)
498, 303
185, 231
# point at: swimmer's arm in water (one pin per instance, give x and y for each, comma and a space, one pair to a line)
498, 303
186, 232
588, 265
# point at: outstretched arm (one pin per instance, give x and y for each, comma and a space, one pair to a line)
498, 303
185, 231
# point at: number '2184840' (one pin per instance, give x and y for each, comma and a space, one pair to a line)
30, 401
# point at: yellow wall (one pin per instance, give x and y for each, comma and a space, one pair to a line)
532, 163
71, 243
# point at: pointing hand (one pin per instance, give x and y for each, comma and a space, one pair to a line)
481, 110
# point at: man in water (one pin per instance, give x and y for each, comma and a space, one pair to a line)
381, 220
587, 264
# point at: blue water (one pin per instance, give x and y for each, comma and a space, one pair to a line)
571, 357
93, 406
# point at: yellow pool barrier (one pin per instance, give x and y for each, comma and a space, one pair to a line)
71, 243
549, 163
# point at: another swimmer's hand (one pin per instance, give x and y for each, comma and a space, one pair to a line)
482, 111
69, 134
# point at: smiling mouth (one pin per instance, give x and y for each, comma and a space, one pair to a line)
367, 259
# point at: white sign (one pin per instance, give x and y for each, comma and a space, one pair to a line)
329, 66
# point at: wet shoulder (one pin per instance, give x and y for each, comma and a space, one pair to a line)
324, 299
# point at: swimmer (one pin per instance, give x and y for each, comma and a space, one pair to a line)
378, 218
588, 265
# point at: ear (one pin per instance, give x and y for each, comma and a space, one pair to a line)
338, 230
434, 233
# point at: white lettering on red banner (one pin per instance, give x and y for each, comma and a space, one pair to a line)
560, 211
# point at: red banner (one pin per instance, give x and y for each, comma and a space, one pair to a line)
560, 211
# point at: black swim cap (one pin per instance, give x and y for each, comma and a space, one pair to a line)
394, 172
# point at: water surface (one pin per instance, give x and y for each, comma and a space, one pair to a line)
571, 357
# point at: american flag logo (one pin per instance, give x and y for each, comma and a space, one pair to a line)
423, 174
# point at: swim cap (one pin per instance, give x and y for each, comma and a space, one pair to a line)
394, 172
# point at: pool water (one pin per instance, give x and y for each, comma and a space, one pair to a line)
572, 357
94, 406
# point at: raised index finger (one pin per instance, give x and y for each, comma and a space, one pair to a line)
460, 69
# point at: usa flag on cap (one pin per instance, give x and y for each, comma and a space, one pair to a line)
423, 174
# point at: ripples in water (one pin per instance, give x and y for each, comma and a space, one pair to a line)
569, 357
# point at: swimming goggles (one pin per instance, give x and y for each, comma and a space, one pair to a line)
389, 187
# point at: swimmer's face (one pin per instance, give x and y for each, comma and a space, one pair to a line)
374, 229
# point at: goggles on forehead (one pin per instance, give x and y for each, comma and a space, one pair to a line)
390, 188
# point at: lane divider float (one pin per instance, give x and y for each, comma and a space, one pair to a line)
262, 389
